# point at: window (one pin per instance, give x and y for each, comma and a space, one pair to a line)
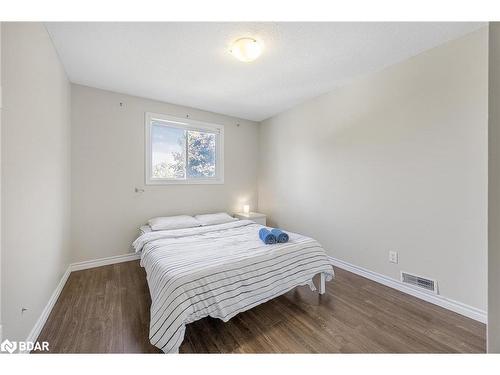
183, 151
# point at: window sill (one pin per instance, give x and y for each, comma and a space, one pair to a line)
185, 182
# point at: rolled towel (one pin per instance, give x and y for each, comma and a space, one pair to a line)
266, 236
281, 236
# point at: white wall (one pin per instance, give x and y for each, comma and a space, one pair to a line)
35, 174
108, 163
394, 161
494, 191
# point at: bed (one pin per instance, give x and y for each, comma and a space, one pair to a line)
219, 271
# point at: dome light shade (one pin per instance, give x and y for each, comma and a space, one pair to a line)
246, 49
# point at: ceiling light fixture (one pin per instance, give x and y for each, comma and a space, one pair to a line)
246, 49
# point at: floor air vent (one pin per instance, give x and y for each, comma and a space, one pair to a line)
419, 282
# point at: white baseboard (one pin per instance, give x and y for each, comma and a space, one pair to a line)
449, 304
104, 261
35, 332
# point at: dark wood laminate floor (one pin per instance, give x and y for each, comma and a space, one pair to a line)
106, 310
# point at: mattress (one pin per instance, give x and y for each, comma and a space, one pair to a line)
219, 271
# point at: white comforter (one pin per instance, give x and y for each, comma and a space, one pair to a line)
219, 271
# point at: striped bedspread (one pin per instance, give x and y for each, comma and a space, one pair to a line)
219, 271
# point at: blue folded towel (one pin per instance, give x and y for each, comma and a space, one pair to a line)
281, 236
266, 236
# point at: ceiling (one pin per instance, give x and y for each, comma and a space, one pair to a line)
189, 64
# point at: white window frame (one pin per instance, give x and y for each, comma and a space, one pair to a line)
188, 124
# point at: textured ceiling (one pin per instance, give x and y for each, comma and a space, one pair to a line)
188, 63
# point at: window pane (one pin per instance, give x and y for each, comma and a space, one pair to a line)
168, 151
201, 154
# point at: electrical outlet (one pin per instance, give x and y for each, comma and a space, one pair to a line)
393, 257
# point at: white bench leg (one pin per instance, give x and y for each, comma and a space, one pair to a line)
322, 282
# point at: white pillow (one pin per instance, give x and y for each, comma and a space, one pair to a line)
173, 222
211, 219
144, 229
